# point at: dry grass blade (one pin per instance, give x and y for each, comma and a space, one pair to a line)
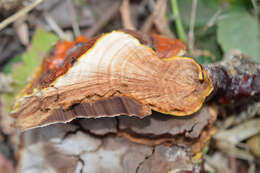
22, 31
192, 22
55, 27
240, 132
110, 13
159, 19
212, 20
214, 162
19, 14
233, 151
75, 24
126, 15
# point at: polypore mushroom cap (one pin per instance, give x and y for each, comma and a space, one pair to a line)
110, 75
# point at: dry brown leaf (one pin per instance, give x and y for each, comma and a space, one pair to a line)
22, 31
254, 143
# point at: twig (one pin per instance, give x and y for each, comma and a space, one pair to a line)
19, 14
147, 24
74, 20
55, 27
158, 18
106, 17
240, 132
219, 167
212, 20
198, 52
233, 151
192, 22
126, 15
256, 9
22, 30
179, 25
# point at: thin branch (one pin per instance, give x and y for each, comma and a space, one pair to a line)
126, 15
240, 132
179, 25
19, 14
192, 23
212, 20
255, 8
55, 27
113, 10
74, 19
158, 18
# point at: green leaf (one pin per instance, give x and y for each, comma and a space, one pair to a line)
212, 172
204, 60
205, 150
42, 41
240, 30
21, 67
8, 67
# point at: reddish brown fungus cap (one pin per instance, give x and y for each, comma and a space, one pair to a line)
110, 75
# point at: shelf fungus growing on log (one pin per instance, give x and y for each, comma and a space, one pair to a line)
113, 82
119, 67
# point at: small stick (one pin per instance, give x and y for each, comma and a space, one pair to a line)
19, 14
107, 16
74, 20
55, 27
158, 19
212, 20
256, 9
192, 22
126, 15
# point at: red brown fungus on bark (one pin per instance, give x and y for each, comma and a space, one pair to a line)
65, 56
163, 46
61, 50
236, 79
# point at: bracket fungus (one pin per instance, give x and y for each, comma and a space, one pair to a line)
133, 75
120, 67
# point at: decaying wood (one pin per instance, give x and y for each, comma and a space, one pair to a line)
117, 145
235, 79
114, 64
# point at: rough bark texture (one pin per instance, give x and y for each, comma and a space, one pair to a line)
157, 144
235, 79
